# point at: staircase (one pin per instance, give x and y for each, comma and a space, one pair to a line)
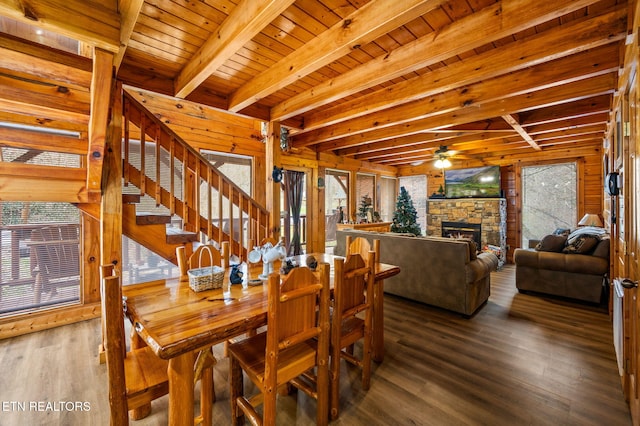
157, 163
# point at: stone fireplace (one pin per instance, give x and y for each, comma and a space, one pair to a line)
484, 216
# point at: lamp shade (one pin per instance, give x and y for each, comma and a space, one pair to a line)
590, 219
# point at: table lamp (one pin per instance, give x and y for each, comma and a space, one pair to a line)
590, 219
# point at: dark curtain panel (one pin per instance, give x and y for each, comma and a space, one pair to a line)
294, 184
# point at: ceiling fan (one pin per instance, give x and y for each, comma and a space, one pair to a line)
442, 155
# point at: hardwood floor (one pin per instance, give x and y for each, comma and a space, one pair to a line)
521, 360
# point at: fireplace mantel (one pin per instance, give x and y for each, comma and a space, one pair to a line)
490, 213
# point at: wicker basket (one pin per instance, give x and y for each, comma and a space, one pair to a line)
205, 278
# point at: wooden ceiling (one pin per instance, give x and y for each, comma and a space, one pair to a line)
385, 81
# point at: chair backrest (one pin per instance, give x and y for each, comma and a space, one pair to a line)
353, 286
298, 311
362, 247
58, 255
115, 346
200, 258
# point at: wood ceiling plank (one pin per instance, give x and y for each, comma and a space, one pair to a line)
578, 109
501, 19
242, 24
362, 26
580, 90
555, 73
601, 118
558, 42
89, 21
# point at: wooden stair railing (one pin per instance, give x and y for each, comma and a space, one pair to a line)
182, 180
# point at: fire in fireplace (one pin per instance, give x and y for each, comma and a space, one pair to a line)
463, 230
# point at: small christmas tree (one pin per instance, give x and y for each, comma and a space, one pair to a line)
405, 217
365, 205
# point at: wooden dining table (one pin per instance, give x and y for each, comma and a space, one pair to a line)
177, 322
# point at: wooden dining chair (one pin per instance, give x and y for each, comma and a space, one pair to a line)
296, 341
352, 319
362, 247
137, 377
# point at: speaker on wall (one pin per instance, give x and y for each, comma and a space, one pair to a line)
612, 183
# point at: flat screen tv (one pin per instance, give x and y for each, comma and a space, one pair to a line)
476, 182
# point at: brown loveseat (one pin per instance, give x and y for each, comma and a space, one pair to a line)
436, 271
574, 274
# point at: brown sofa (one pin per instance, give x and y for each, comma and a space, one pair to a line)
574, 275
436, 271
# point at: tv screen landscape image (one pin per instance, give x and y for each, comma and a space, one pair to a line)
480, 182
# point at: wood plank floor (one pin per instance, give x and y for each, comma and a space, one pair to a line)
522, 360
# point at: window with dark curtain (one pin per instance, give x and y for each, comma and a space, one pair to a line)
294, 187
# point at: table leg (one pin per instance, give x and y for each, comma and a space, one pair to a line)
181, 389
378, 322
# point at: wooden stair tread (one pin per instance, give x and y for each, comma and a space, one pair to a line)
178, 236
131, 198
143, 218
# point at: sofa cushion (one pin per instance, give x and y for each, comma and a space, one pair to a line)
583, 244
553, 243
602, 249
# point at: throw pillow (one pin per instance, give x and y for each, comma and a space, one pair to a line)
553, 243
581, 245
562, 231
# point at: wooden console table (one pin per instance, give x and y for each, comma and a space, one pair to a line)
376, 227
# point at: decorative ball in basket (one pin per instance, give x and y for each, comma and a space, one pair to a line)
205, 277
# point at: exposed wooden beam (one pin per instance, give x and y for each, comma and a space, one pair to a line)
100, 100
570, 92
513, 122
129, 12
555, 73
43, 141
363, 26
46, 63
459, 140
43, 100
90, 21
63, 184
246, 20
580, 35
35, 121
494, 22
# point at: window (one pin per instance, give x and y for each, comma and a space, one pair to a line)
416, 186
39, 256
336, 202
548, 199
365, 188
387, 200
